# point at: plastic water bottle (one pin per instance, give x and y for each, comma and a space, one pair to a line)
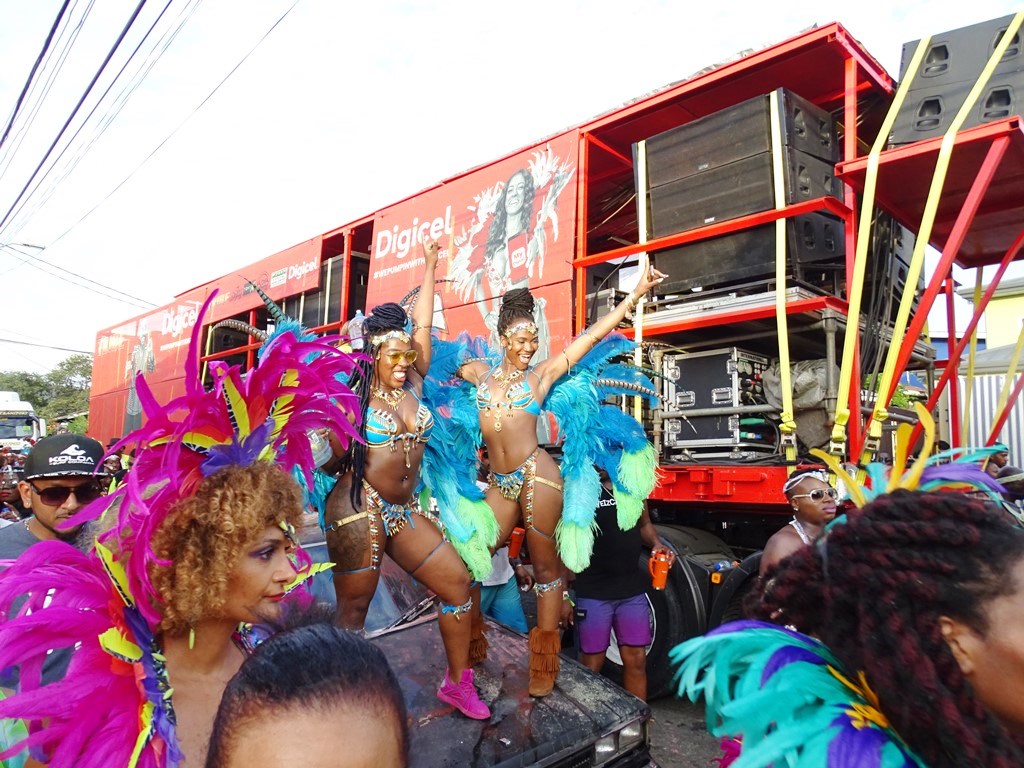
722, 565
355, 330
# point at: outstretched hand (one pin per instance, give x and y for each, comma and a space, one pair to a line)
649, 280
431, 249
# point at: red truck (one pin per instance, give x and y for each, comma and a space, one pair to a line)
746, 183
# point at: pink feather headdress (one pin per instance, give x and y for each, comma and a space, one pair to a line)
103, 603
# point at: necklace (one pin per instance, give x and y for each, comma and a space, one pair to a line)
800, 531
392, 397
506, 379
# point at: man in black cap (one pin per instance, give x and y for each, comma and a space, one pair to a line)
57, 481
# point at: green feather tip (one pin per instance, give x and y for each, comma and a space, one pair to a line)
636, 471
481, 517
628, 508
575, 544
475, 555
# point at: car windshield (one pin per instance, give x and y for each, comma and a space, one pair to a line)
12, 428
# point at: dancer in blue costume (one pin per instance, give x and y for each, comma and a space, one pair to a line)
376, 506
525, 482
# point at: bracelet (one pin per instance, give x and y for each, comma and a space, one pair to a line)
631, 302
593, 339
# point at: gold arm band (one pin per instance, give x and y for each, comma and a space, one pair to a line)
346, 520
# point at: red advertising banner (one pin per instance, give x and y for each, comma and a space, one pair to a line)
154, 344
509, 225
289, 272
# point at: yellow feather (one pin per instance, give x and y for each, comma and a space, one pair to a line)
852, 487
237, 407
911, 479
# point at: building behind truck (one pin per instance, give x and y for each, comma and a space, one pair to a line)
20, 427
745, 184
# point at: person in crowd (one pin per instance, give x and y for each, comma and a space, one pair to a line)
916, 597
375, 506
611, 593
12, 509
274, 710
525, 481
814, 506
196, 548
57, 480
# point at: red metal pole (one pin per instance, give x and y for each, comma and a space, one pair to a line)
954, 355
346, 273
959, 231
951, 341
581, 235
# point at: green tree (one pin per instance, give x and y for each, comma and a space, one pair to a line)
68, 384
56, 395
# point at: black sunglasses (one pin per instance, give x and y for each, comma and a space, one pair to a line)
57, 495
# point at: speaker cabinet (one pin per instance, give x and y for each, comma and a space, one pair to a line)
739, 132
749, 254
737, 189
952, 64
959, 55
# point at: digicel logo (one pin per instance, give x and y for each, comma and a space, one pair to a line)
399, 242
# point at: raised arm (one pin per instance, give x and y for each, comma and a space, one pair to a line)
557, 365
423, 309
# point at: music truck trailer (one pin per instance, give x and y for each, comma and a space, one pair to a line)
790, 195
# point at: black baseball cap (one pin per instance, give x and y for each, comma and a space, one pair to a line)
59, 455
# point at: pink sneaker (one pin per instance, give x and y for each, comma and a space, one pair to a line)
463, 696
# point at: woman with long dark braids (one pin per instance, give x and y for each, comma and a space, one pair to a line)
525, 481
375, 507
918, 600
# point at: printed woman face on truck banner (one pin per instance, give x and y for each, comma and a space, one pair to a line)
509, 225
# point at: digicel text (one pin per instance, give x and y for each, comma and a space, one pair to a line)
391, 241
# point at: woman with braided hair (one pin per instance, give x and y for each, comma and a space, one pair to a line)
375, 506
913, 609
524, 480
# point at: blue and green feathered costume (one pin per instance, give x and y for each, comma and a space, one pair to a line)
788, 699
592, 433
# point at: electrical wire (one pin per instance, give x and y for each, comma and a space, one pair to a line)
32, 73
74, 112
112, 107
180, 125
31, 260
46, 346
25, 127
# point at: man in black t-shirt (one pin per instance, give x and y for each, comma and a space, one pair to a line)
611, 593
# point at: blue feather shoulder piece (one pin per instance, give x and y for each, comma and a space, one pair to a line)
788, 698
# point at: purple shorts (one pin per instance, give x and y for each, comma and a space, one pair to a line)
631, 619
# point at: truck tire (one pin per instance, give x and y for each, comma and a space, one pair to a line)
677, 613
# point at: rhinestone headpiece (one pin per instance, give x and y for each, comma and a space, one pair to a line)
396, 334
525, 325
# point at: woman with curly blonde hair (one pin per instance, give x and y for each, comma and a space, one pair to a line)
198, 548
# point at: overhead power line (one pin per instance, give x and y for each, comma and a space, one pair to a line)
78, 106
30, 259
35, 67
178, 127
47, 346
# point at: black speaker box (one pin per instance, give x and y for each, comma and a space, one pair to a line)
737, 189
738, 132
960, 54
749, 254
928, 112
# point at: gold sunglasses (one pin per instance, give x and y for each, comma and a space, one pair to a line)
818, 494
409, 355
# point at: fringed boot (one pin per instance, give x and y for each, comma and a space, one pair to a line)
545, 662
478, 643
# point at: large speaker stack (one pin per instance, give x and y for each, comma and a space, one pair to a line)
722, 167
950, 68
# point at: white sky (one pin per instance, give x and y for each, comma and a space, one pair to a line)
345, 108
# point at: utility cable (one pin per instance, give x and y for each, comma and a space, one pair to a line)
61, 54
31, 259
180, 125
112, 111
74, 112
46, 346
35, 68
